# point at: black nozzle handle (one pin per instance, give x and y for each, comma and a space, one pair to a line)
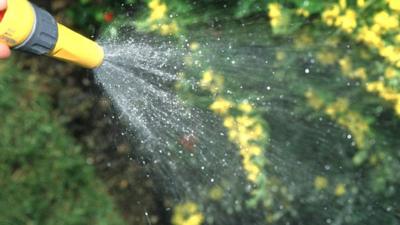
44, 35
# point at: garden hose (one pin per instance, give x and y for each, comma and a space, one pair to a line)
26, 27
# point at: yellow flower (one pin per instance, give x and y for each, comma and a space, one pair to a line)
313, 100
390, 72
221, 106
340, 190
229, 122
339, 106
243, 139
394, 4
245, 121
342, 4
257, 132
211, 81
233, 134
253, 150
218, 84
360, 73
303, 12
245, 107
242, 131
370, 37
275, 14
274, 10
345, 65
195, 220
339, 111
357, 126
207, 78
330, 15
158, 10
386, 93
361, 3
255, 172
167, 29
376, 86
389, 95
252, 170
385, 21
347, 22
194, 46
390, 53
320, 182
187, 214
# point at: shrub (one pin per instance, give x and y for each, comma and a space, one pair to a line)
44, 178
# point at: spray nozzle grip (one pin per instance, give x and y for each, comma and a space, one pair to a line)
44, 35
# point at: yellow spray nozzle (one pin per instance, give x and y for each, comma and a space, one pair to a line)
26, 27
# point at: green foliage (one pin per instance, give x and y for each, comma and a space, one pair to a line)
44, 179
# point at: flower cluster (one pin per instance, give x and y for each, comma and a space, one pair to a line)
380, 87
394, 5
346, 66
377, 34
158, 10
275, 14
341, 113
386, 93
244, 130
211, 81
158, 19
187, 214
338, 16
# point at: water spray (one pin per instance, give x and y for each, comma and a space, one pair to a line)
29, 28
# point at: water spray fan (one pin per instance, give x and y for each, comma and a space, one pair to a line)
27, 27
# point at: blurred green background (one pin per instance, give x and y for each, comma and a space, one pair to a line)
63, 160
